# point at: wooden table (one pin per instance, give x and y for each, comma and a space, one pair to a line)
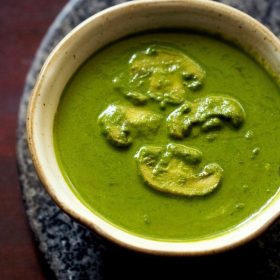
22, 26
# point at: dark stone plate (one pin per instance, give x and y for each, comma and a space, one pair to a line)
74, 252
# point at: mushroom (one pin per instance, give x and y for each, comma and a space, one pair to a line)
175, 169
209, 112
161, 73
120, 124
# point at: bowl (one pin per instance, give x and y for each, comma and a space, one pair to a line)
104, 28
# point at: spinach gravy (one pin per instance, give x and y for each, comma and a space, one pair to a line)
171, 135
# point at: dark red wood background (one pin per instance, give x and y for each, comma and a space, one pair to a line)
22, 26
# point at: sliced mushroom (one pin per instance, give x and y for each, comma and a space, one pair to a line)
120, 124
210, 113
174, 169
163, 74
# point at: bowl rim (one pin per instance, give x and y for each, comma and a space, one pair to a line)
160, 250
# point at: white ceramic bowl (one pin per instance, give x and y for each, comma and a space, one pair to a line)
106, 27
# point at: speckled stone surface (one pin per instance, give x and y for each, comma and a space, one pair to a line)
74, 252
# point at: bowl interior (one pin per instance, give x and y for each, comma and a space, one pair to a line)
107, 27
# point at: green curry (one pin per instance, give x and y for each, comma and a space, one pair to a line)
171, 135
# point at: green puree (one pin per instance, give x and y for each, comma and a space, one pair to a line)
171, 135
